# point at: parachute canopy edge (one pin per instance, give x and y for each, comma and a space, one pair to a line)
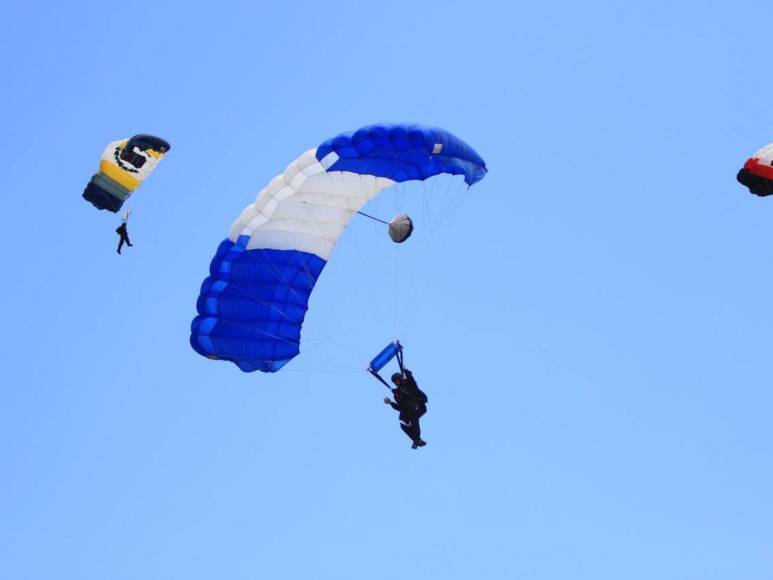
409, 145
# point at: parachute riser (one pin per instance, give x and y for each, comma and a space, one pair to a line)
400, 361
380, 379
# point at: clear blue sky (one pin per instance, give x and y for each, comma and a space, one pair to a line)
592, 322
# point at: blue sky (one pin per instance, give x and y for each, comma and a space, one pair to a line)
591, 321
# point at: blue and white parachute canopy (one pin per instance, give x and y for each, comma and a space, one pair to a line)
252, 305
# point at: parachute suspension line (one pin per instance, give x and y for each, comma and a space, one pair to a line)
457, 195
425, 208
435, 209
427, 194
251, 327
441, 205
400, 361
320, 369
381, 380
400, 196
399, 280
320, 342
373, 218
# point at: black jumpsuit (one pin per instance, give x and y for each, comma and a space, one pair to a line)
121, 231
411, 402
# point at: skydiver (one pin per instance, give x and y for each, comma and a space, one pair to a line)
121, 231
411, 402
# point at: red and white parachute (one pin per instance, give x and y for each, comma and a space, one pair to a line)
757, 172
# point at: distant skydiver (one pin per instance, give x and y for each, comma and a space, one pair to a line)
411, 402
121, 231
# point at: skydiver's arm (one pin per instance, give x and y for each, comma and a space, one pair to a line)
392, 404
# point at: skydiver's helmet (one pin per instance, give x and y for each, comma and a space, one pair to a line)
397, 378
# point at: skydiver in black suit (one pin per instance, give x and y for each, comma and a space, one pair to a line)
411, 402
121, 231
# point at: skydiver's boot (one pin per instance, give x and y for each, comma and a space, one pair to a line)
420, 442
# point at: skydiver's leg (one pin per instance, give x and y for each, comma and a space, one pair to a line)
407, 428
128, 243
120, 244
418, 441
410, 426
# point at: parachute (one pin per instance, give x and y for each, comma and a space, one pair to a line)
252, 305
122, 168
400, 228
757, 172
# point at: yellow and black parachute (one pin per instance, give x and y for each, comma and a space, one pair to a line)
123, 167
